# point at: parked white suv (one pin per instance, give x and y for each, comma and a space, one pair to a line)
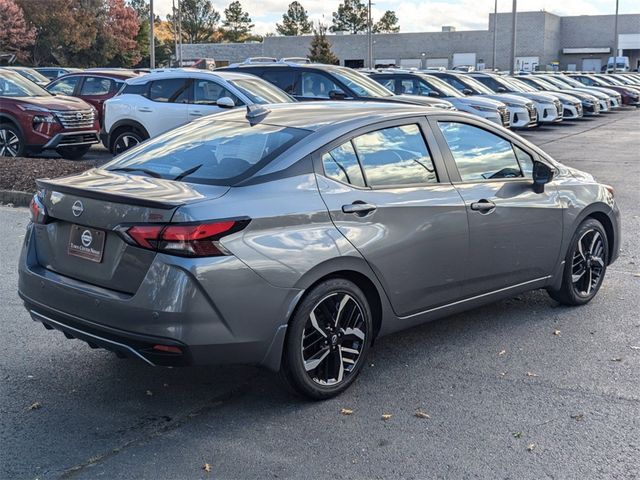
165, 99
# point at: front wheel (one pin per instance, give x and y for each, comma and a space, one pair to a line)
126, 140
75, 152
327, 340
11, 142
585, 265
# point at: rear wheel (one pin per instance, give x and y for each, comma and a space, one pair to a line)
75, 152
11, 141
125, 140
585, 265
327, 340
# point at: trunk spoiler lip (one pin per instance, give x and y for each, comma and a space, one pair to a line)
102, 195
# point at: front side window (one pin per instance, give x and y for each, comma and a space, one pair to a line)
409, 87
395, 156
317, 85
218, 153
359, 83
206, 92
66, 86
171, 90
341, 164
525, 161
96, 86
479, 154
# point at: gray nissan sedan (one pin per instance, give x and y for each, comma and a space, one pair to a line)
292, 236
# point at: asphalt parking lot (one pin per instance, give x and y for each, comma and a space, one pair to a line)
523, 388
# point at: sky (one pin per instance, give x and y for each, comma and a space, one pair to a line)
418, 15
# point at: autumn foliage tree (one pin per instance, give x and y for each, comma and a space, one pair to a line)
16, 35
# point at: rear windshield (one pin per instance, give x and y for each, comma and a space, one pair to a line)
217, 152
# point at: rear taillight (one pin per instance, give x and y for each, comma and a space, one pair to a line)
37, 210
190, 240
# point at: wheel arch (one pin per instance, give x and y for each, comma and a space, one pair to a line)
121, 125
6, 118
606, 222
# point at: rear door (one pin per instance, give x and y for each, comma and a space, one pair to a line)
166, 107
389, 195
205, 94
515, 233
96, 90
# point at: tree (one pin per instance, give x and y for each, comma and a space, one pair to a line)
237, 23
16, 36
320, 49
121, 29
388, 23
352, 16
199, 21
295, 21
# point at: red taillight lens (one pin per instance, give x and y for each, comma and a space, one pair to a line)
37, 210
193, 240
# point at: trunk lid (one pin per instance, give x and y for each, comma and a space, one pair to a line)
98, 202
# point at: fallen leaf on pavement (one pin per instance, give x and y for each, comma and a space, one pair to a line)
34, 406
531, 374
206, 467
387, 416
634, 347
578, 416
149, 392
502, 352
531, 446
616, 359
517, 434
556, 332
421, 414
346, 411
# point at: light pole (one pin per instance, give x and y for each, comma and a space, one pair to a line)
152, 42
180, 33
369, 39
495, 34
513, 37
615, 32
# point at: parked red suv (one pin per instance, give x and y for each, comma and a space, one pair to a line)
33, 120
93, 86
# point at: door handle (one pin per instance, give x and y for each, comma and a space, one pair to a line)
145, 110
359, 208
483, 206
195, 113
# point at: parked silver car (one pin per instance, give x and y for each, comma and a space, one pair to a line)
292, 236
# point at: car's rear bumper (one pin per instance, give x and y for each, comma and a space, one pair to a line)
216, 310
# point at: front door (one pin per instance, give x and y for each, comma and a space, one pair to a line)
204, 98
390, 197
514, 233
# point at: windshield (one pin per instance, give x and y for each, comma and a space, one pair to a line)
522, 85
211, 152
474, 84
610, 80
570, 81
14, 85
33, 75
543, 84
360, 84
259, 91
443, 87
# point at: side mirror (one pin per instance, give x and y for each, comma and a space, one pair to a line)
433, 93
542, 174
337, 95
501, 89
225, 102
467, 91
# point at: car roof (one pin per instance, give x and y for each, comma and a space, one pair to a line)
317, 66
317, 115
116, 75
188, 73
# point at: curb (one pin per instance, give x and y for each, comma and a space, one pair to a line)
14, 198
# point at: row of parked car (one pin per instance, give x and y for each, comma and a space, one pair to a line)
122, 108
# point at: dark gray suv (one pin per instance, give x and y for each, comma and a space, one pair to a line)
292, 236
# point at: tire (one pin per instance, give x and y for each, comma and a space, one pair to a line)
11, 141
125, 140
315, 363
585, 265
75, 152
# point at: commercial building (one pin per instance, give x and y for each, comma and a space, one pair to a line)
544, 39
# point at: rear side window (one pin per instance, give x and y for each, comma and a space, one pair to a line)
66, 86
96, 86
136, 89
479, 154
395, 156
218, 153
283, 79
341, 164
171, 90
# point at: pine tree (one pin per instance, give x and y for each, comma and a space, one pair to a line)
388, 23
237, 23
295, 21
320, 49
352, 16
